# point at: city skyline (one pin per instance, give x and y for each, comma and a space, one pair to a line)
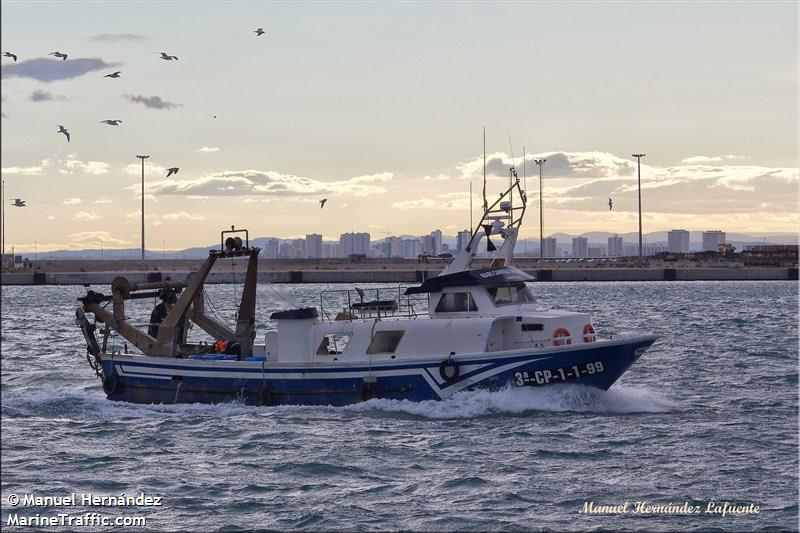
263, 130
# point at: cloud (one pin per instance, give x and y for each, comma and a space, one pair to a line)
95, 168
27, 171
686, 189
207, 149
50, 217
47, 70
103, 201
43, 96
699, 159
152, 102
84, 215
72, 201
268, 183
182, 215
116, 37
557, 164
135, 169
93, 238
453, 200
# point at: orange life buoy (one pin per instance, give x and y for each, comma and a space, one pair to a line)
219, 346
562, 336
588, 333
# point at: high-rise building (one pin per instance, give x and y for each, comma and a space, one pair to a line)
436, 242
331, 250
426, 244
354, 243
271, 249
395, 247
549, 247
579, 245
313, 246
615, 246
284, 250
411, 248
712, 240
678, 241
462, 239
298, 249
652, 249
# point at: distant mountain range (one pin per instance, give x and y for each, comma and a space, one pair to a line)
564, 239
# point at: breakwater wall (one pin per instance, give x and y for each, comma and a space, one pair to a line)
409, 276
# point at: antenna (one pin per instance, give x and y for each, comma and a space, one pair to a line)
524, 180
470, 207
485, 203
511, 174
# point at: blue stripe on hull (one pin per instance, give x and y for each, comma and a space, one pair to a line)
152, 380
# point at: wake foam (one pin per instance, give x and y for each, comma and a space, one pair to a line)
515, 401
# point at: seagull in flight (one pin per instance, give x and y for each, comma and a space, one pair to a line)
610, 204
58, 54
9, 54
111, 122
18, 202
322, 203
168, 57
171, 171
62, 129
113, 75
259, 32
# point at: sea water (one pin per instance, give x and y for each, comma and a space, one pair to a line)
700, 434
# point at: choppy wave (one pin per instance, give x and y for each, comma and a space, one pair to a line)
516, 401
709, 413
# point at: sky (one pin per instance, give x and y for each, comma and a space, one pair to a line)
380, 108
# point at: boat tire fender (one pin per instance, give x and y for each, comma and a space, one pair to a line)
110, 384
265, 397
449, 369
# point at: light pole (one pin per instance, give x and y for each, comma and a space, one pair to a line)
639, 167
142, 157
540, 162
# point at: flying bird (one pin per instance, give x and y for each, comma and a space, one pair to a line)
62, 129
9, 54
19, 202
168, 57
259, 32
171, 171
610, 204
111, 122
58, 54
322, 203
113, 75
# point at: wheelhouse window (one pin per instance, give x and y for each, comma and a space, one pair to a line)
385, 342
511, 294
333, 344
456, 302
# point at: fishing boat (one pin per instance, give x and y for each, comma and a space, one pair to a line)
465, 329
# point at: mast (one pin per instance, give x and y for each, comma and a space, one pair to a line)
485, 204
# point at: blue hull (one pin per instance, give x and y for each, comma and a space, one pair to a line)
149, 380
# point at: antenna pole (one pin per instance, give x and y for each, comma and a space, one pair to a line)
639, 166
485, 205
142, 157
540, 162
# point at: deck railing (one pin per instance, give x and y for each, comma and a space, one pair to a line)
372, 303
